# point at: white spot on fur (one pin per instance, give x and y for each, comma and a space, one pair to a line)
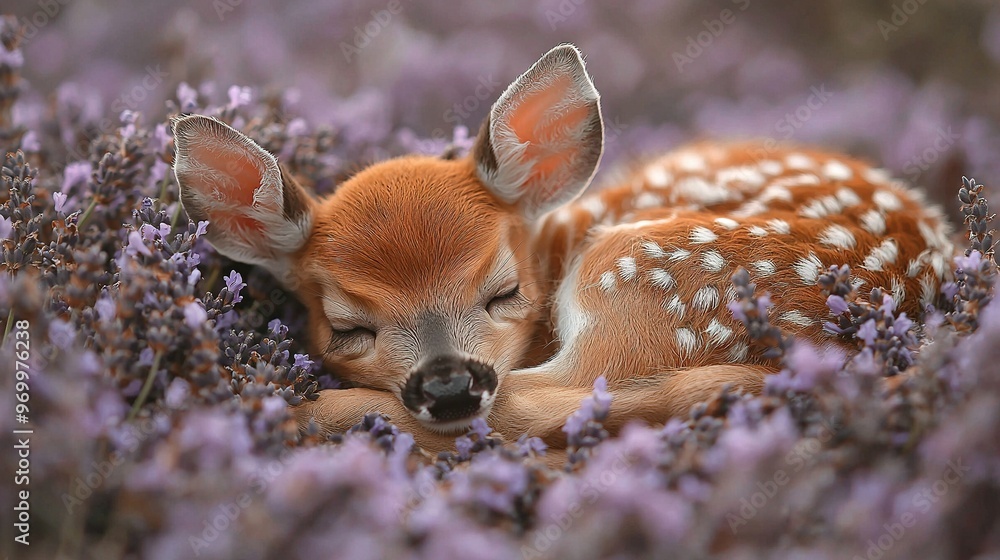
706, 298
744, 174
836, 171
658, 177
647, 200
838, 237
712, 261
779, 226
687, 341
800, 180
697, 189
898, 289
808, 268
915, 266
928, 289
676, 306
727, 223
570, 318
873, 175
886, 201
885, 253
679, 255
757, 231
717, 332
608, 281
796, 318
691, 162
775, 192
738, 352
821, 207
594, 205
857, 282
661, 278
750, 208
701, 235
764, 267
848, 197
935, 238
652, 250
771, 167
799, 161
626, 268
873, 222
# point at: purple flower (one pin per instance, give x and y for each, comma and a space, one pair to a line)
195, 315
868, 332
76, 173
239, 96
837, 304
188, 97
60, 201
6, 227
234, 283
136, 246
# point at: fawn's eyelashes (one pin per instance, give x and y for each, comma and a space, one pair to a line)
507, 297
350, 340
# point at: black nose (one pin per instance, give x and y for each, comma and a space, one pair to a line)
449, 387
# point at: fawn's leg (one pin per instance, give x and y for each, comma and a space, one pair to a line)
336, 410
534, 401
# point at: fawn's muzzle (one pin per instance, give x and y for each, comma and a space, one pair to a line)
449, 388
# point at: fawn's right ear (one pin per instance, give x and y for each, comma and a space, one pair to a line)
544, 137
256, 214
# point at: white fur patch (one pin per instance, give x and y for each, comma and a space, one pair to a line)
796, 318
757, 231
727, 223
873, 222
675, 306
658, 177
608, 281
771, 167
717, 332
799, 161
836, 171
701, 235
882, 255
679, 255
838, 237
687, 341
887, 201
779, 226
738, 352
848, 197
706, 298
652, 250
764, 267
712, 261
626, 268
808, 268
661, 278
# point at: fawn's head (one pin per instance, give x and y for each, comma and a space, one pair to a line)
417, 273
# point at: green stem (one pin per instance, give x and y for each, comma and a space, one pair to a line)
87, 213
177, 216
6, 329
146, 387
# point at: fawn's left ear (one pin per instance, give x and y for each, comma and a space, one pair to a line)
256, 213
544, 137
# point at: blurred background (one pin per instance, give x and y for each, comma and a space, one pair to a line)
908, 84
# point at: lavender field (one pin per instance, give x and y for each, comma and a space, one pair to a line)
146, 380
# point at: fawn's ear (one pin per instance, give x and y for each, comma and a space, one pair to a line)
544, 137
256, 213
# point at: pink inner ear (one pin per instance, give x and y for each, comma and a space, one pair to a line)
233, 163
552, 141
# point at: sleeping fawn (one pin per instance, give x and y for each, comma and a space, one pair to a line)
447, 290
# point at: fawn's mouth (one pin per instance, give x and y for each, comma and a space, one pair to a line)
446, 393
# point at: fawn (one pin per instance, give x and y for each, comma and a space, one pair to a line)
447, 290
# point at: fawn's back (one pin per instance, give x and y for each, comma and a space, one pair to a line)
432, 284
